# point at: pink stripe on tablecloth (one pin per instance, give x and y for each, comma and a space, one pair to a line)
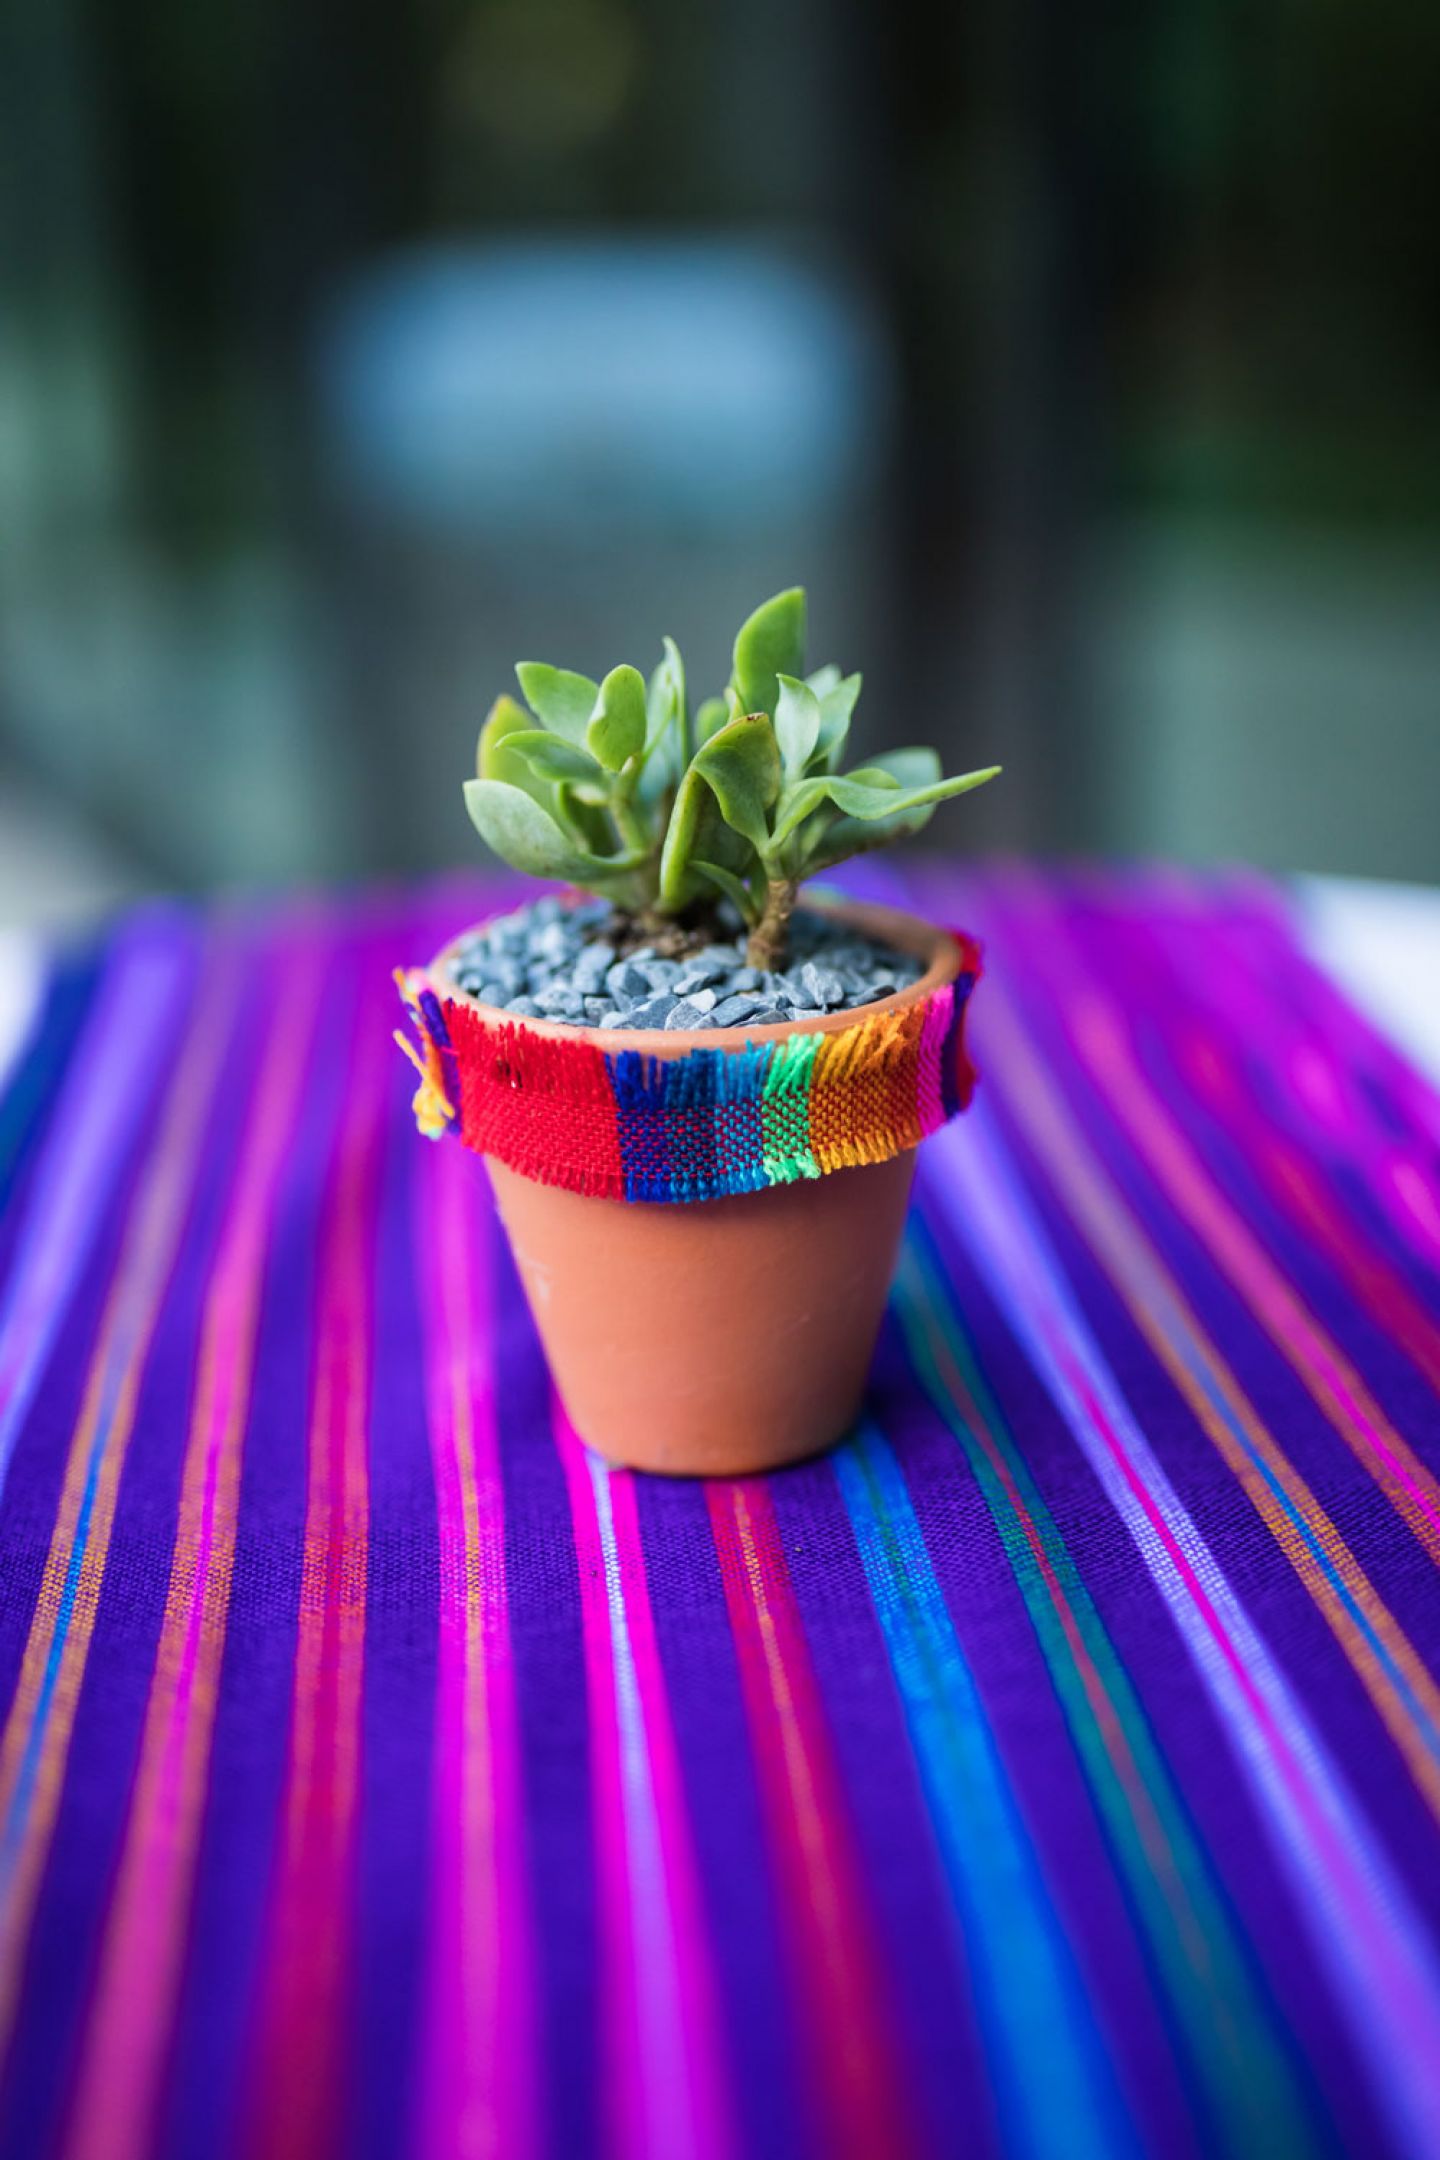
711, 2127
477, 2095
624, 2097
295, 2091
129, 2026
853, 2065
666, 2093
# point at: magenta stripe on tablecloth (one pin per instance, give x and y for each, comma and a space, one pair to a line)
712, 2131
628, 2071
477, 2088
853, 2064
296, 2097
665, 2095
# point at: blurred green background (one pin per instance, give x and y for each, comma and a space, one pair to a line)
1084, 363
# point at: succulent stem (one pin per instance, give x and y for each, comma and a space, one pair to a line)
631, 826
767, 942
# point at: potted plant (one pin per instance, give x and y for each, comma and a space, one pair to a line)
698, 1100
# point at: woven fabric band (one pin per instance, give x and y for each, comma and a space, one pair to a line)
627, 1126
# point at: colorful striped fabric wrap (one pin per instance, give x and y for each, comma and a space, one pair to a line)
1052, 1771
620, 1125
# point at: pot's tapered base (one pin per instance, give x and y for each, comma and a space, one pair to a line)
714, 1340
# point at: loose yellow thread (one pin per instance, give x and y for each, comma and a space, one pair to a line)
434, 1113
430, 1103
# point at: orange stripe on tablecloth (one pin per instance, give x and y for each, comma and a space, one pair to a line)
294, 2089
36, 1742
1316, 1357
128, 2032
853, 2065
1281, 1497
1295, 1179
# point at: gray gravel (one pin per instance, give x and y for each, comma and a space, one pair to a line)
557, 961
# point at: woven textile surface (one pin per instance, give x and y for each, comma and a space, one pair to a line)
1053, 1770
704, 1126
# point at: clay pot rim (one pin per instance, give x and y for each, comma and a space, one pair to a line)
940, 949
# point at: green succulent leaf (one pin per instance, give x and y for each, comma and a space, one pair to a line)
655, 787
797, 724
616, 729
680, 835
797, 804
506, 717
665, 700
562, 701
909, 809
584, 820
734, 888
838, 839
875, 793
521, 831
697, 833
910, 769
837, 704
771, 643
829, 838
710, 717
741, 766
498, 758
867, 776
822, 680
552, 757
527, 837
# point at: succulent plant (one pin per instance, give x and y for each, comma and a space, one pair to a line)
619, 788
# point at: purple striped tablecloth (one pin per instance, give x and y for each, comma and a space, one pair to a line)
1054, 1770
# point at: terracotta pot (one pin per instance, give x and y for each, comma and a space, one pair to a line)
728, 1336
